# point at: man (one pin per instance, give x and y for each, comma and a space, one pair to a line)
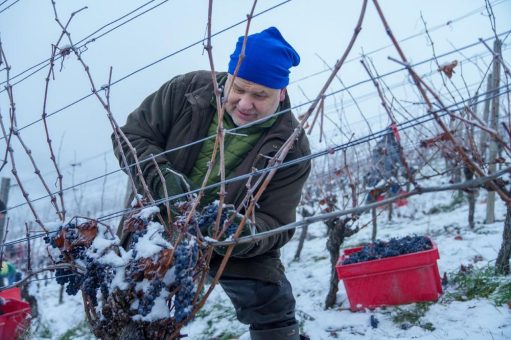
184, 110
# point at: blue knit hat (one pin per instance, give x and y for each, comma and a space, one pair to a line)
268, 58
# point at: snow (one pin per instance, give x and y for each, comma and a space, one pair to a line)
457, 244
57, 317
135, 200
151, 242
52, 226
160, 309
146, 213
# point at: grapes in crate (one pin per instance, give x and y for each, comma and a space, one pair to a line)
394, 247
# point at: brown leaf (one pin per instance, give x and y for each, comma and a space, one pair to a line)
60, 240
448, 69
87, 233
133, 224
150, 268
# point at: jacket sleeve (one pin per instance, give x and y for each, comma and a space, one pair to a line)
147, 129
277, 206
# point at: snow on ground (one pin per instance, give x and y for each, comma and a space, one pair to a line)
55, 319
475, 319
457, 244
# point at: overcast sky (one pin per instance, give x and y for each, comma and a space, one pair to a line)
319, 30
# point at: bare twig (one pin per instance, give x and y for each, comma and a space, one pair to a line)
13, 131
44, 114
63, 265
165, 192
422, 88
393, 122
219, 143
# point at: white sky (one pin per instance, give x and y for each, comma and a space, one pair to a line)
315, 28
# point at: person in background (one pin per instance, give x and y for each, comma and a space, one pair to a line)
8, 271
184, 110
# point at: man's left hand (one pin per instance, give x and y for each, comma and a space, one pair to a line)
229, 214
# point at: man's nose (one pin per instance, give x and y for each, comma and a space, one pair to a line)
245, 104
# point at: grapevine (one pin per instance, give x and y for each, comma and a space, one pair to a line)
149, 286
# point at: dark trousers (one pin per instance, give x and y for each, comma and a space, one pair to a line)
262, 305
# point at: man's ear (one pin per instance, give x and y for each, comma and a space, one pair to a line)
283, 94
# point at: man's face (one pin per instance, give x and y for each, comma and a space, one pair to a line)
248, 101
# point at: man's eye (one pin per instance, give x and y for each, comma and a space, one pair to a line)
238, 90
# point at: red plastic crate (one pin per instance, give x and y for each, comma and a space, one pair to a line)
14, 318
391, 281
11, 293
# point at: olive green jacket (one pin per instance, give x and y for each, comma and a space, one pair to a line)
179, 113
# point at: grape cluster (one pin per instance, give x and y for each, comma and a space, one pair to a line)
150, 295
71, 235
134, 239
73, 280
394, 247
51, 239
185, 259
96, 278
67, 276
208, 216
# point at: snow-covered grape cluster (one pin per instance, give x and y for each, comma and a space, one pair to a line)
185, 260
151, 284
68, 235
394, 247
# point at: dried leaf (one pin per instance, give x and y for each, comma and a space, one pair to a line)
448, 69
88, 232
149, 268
133, 224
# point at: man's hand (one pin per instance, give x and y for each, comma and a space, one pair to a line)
229, 214
175, 183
